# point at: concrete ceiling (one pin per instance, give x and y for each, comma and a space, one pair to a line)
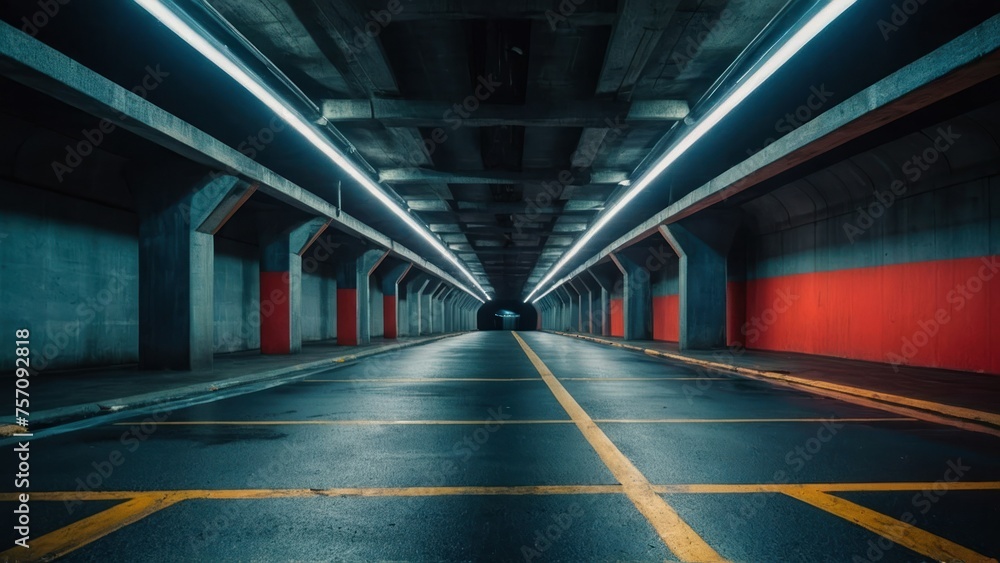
574, 96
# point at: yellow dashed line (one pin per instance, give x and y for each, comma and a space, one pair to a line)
678, 536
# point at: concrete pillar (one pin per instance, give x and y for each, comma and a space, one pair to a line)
602, 317
180, 210
702, 243
638, 295
586, 286
426, 322
437, 309
565, 307
392, 276
580, 304
354, 267
282, 244
414, 293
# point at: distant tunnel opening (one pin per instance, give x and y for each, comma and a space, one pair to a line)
507, 315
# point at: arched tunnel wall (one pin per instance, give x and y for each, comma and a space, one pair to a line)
884, 257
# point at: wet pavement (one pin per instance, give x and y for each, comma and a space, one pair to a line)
468, 449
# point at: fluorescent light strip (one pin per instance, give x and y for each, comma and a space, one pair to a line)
203, 45
810, 30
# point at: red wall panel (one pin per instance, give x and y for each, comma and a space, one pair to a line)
275, 313
347, 317
938, 314
618, 318
666, 318
389, 316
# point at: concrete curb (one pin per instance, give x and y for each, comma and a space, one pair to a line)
64, 415
961, 417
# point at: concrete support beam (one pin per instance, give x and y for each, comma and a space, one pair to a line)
638, 296
354, 267
575, 307
602, 317
426, 322
415, 287
282, 244
392, 272
702, 243
586, 287
179, 210
565, 308
569, 113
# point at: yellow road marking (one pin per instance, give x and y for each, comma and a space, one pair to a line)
237, 494
516, 490
742, 420
74, 536
901, 533
420, 380
644, 379
343, 422
885, 401
500, 422
824, 487
678, 536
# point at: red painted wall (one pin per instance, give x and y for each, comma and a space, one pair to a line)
617, 318
666, 318
389, 316
275, 313
939, 314
347, 317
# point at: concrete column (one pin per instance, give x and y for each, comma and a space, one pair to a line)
282, 244
580, 298
437, 309
426, 322
565, 307
354, 267
586, 286
392, 276
180, 210
702, 242
602, 317
638, 296
414, 293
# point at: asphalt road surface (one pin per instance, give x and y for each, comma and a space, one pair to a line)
514, 447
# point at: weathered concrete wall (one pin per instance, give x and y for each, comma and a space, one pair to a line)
319, 303
68, 273
376, 299
237, 296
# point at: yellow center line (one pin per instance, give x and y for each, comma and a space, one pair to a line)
901, 533
501, 422
645, 379
697, 488
678, 536
421, 380
824, 487
78, 534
